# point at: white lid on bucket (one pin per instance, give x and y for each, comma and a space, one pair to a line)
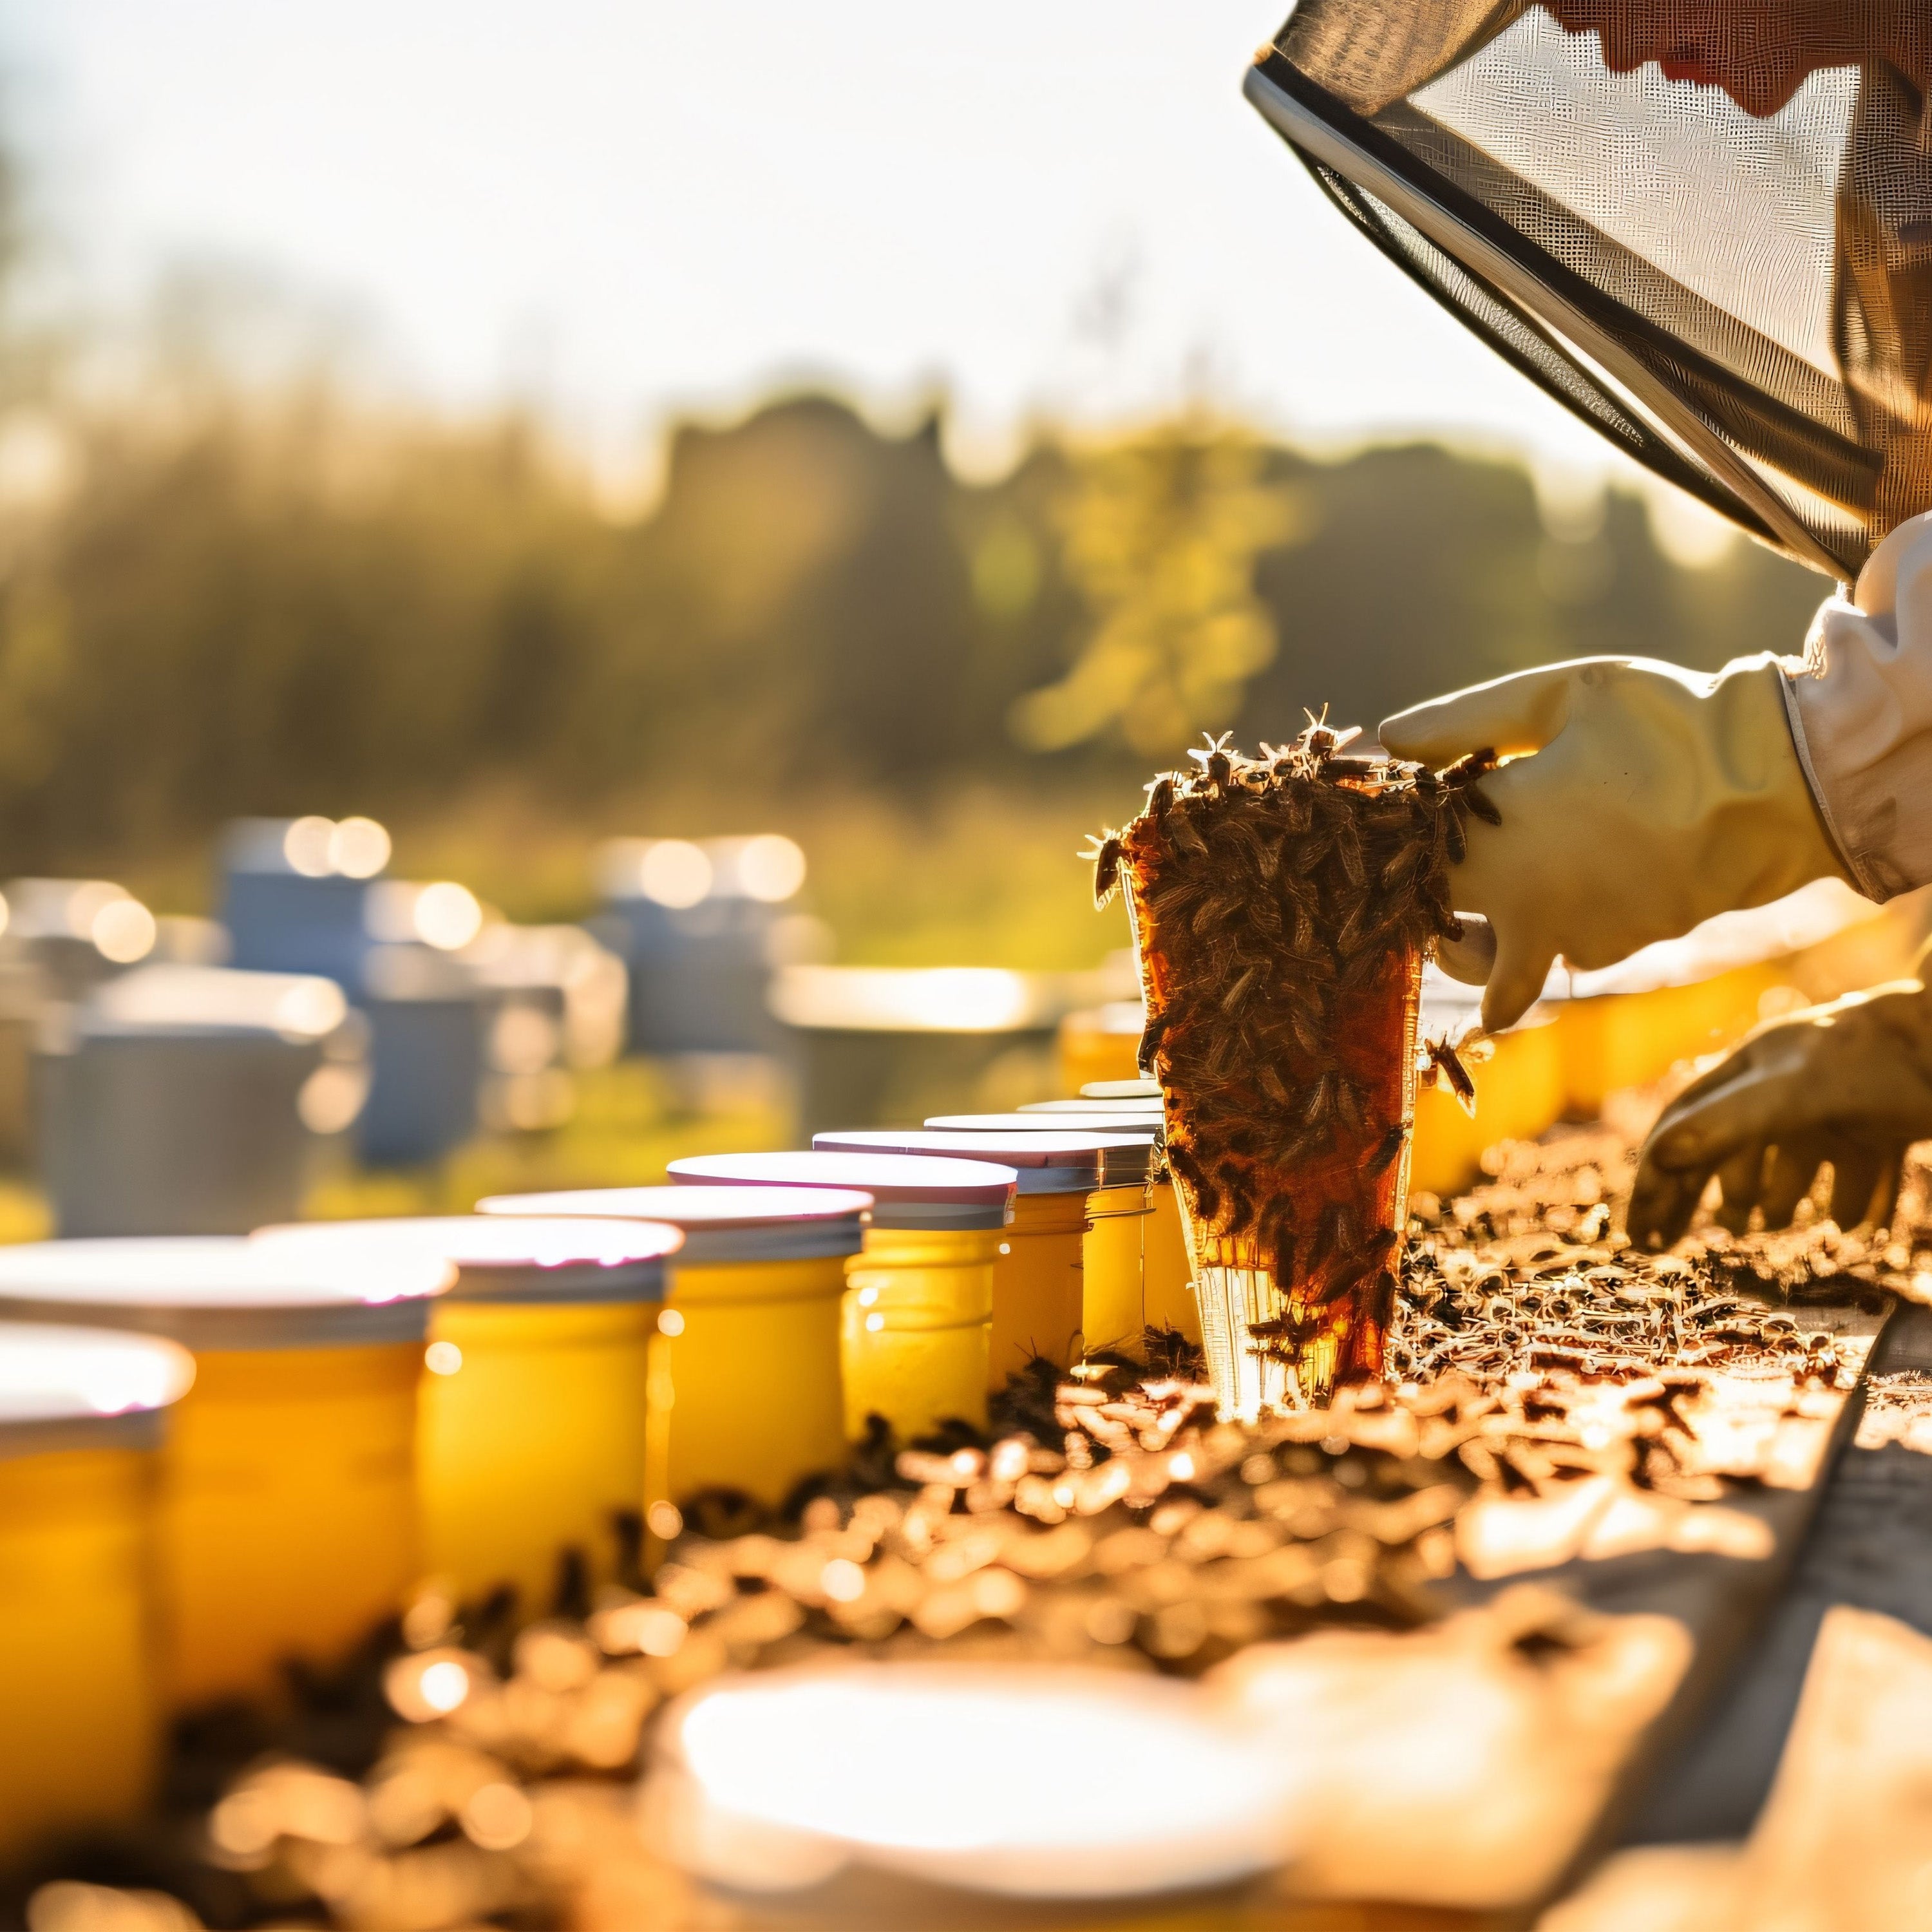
502, 1258
1046, 1162
1127, 1145
211, 1292
906, 1192
1130, 1113
721, 1224
85, 1388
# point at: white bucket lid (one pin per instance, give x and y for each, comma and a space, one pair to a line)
1047, 1162
498, 1258
85, 1388
721, 1224
1121, 1089
221, 1290
1127, 1145
907, 1192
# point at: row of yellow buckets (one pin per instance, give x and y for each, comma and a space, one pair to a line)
290, 1430
254, 1447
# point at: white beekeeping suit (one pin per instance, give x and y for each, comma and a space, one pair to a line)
1705, 226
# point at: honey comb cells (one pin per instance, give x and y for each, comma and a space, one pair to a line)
1283, 906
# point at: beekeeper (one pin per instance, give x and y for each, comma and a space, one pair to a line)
1706, 226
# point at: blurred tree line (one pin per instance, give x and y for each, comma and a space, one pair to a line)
305, 607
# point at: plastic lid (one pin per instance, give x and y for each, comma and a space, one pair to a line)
906, 1192
1121, 1089
1046, 1162
224, 1290
1135, 1109
73, 1388
503, 1257
721, 1224
1127, 1146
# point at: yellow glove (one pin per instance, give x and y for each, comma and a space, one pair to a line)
1640, 800
1850, 1083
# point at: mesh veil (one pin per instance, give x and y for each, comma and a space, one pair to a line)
1740, 298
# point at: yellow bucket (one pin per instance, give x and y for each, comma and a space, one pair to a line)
1039, 1278
1520, 1092
919, 1300
1102, 1046
533, 1414
1615, 1040
1136, 1273
1126, 1106
918, 1328
1113, 1267
286, 1507
1170, 1273
80, 1421
746, 1390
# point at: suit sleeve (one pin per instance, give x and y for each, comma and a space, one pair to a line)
1862, 712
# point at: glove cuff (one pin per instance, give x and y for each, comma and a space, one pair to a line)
1855, 875
1785, 840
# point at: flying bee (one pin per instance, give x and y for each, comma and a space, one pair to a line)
1445, 1063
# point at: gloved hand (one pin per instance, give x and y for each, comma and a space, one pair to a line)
1849, 1083
1640, 800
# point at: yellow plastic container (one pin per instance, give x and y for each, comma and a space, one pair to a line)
917, 1313
532, 1416
1628, 1040
1170, 1302
1101, 1045
1116, 1305
81, 1421
747, 1391
918, 1326
1040, 1275
1170, 1273
286, 1512
1521, 1092
1113, 1267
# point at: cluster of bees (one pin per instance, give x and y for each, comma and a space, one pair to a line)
1282, 905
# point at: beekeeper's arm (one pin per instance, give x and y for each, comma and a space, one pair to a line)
1641, 799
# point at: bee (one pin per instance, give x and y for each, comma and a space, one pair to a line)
1183, 836
1239, 991
1160, 795
1388, 1148
1348, 850
1466, 770
1444, 1062
1480, 803
1105, 859
1216, 761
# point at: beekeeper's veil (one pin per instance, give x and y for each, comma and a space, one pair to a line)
1742, 301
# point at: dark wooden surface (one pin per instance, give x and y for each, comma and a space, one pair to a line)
1870, 1546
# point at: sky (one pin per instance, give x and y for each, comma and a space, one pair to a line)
626, 210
